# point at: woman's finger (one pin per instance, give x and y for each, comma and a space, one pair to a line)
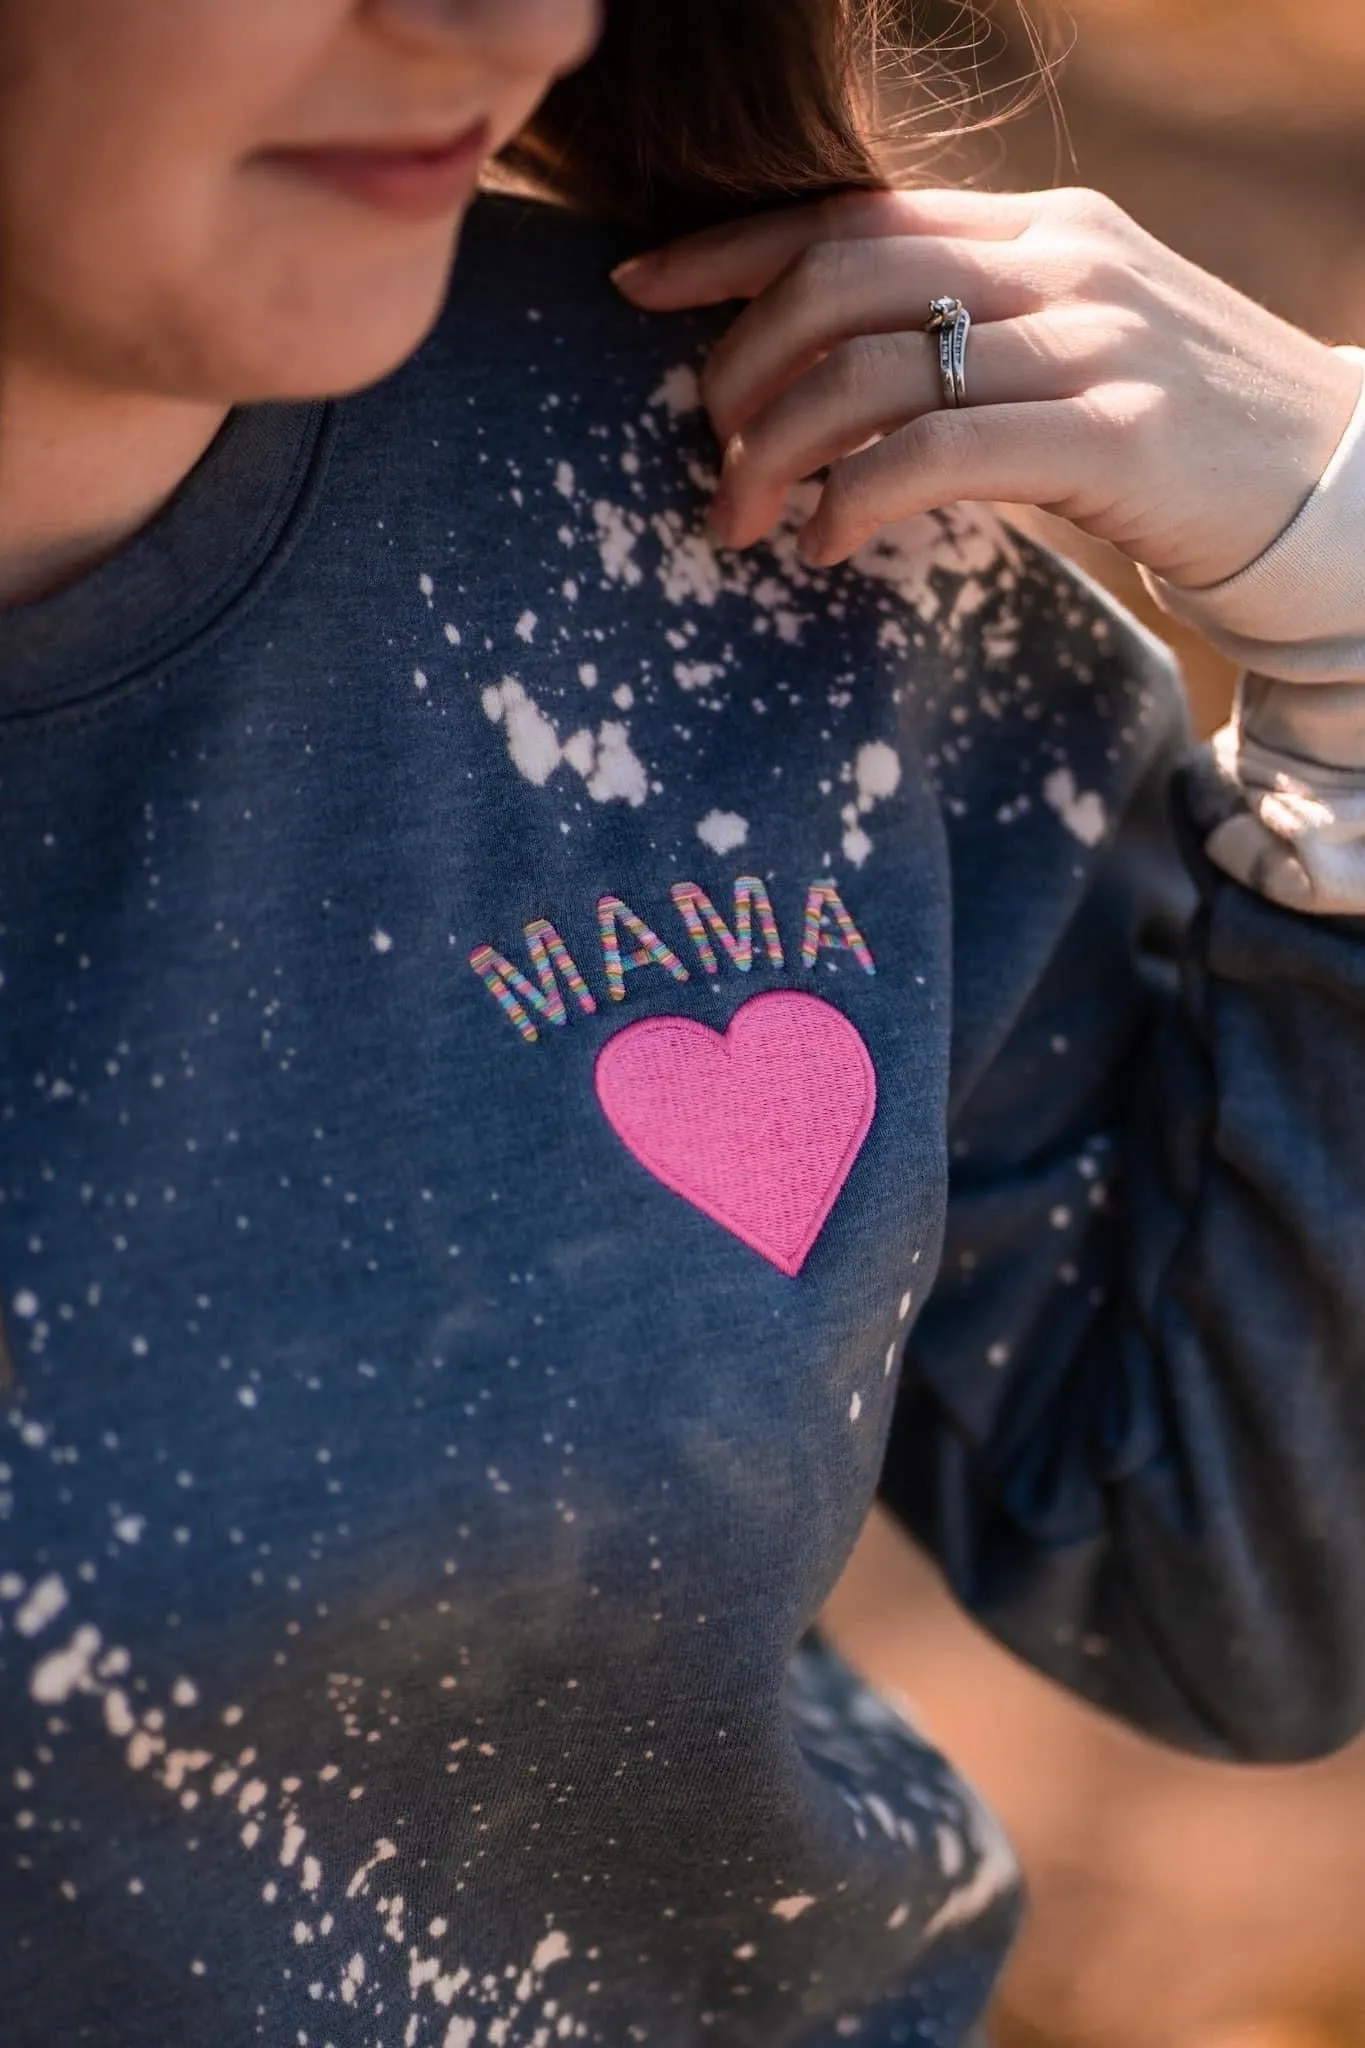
742, 258
1050, 454
835, 290
873, 385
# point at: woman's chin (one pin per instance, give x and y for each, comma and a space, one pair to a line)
344, 358
322, 337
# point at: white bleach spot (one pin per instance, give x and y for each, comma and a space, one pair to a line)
185, 1693
580, 751
419, 680
129, 1528
964, 543
142, 1750
1082, 812
118, 1715
696, 675
951, 1854
384, 1851
877, 772
617, 533
452, 633
532, 740
353, 1976
996, 1872
426, 585
607, 763
876, 775
619, 772
856, 845
855, 1407
554, 1948
723, 831
25, 1304
623, 696
459, 2034
43, 1605
898, 1918
564, 479
680, 391
381, 942
793, 1907
1000, 639
903, 1311
526, 627
688, 568
294, 1839
179, 1765
66, 1671
247, 1396
587, 674
882, 1814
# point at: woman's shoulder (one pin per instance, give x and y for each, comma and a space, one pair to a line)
525, 264
503, 223
962, 582
566, 429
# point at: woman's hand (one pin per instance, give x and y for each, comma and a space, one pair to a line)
1108, 380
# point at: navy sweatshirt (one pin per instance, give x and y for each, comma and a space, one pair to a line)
541, 1067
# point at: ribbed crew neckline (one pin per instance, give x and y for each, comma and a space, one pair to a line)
178, 578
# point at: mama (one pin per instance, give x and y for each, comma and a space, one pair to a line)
826, 927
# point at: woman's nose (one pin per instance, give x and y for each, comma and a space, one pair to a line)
549, 36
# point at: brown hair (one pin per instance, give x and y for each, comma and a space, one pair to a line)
691, 110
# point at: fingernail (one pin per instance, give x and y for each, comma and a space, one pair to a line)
636, 272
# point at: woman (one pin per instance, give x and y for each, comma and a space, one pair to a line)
547, 1056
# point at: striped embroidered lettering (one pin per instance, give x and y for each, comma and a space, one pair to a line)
517, 997
751, 898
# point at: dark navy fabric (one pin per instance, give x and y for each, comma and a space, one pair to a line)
423, 1467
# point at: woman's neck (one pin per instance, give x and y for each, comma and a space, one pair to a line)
81, 469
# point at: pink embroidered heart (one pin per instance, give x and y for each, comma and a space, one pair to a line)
758, 1127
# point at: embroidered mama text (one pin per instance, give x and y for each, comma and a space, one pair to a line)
629, 944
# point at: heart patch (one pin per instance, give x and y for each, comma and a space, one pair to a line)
758, 1126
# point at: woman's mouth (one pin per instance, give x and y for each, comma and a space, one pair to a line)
417, 180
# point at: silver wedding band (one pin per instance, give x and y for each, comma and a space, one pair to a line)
950, 321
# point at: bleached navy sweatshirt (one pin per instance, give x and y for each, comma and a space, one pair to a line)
540, 1068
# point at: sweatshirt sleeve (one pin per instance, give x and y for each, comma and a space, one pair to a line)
1132, 1419
1297, 613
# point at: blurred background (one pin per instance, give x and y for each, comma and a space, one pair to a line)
1175, 1904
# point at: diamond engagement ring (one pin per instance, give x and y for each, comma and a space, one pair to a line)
952, 323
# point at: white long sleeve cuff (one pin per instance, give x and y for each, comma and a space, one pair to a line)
1297, 612
1287, 803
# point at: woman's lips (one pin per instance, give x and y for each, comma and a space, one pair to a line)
416, 181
